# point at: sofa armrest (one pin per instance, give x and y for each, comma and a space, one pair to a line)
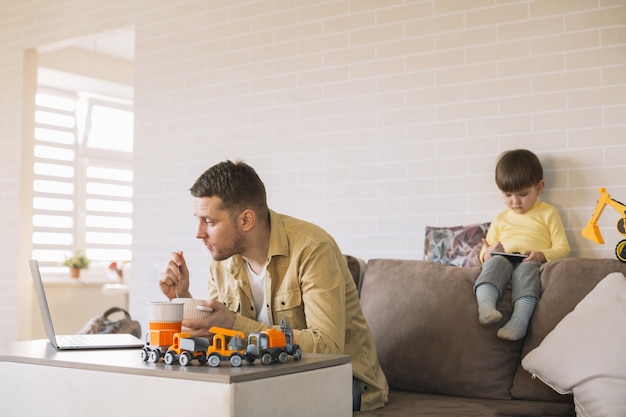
357, 269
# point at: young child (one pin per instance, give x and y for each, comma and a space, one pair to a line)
527, 226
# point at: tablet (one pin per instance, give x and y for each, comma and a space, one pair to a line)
510, 256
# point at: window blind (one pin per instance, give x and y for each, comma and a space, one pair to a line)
83, 179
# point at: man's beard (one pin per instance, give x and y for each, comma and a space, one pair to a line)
235, 248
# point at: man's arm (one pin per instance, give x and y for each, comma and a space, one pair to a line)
323, 284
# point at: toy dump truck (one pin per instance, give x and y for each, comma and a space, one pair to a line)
186, 348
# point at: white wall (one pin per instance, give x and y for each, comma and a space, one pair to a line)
370, 118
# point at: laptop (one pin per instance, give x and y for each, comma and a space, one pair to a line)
76, 341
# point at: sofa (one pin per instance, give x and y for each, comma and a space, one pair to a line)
439, 361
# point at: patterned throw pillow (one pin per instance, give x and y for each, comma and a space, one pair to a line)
458, 245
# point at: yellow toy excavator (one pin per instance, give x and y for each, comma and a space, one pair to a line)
592, 232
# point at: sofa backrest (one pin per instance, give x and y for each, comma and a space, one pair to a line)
424, 319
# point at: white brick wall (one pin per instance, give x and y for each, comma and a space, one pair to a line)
370, 118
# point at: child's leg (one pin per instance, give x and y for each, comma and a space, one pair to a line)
516, 327
526, 291
489, 286
487, 295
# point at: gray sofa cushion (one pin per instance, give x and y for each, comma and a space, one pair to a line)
424, 319
415, 404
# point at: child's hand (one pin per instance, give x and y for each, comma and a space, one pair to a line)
535, 256
497, 247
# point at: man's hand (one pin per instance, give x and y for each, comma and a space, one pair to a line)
221, 316
174, 277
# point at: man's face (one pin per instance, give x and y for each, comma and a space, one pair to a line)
219, 233
523, 200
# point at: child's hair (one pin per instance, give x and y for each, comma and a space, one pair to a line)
518, 169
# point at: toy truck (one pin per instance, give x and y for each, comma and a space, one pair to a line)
159, 340
186, 348
227, 345
591, 230
165, 320
273, 345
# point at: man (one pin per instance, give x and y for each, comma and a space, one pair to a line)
267, 267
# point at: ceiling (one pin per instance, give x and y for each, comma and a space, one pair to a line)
57, 70
118, 43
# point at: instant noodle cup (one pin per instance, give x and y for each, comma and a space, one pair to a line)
164, 311
192, 309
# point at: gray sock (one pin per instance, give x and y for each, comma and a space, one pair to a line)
487, 295
515, 329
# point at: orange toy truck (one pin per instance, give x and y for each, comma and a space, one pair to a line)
186, 348
165, 320
227, 345
160, 339
273, 345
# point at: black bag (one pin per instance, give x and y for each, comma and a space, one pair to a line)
105, 324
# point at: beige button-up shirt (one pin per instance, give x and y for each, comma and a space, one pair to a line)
309, 285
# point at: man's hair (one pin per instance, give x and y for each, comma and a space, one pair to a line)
518, 169
236, 184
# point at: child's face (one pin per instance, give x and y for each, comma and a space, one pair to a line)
523, 200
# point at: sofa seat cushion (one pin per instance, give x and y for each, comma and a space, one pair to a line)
564, 283
411, 404
424, 319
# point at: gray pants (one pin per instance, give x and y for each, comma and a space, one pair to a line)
357, 390
525, 277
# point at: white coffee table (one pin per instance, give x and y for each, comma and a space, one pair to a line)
36, 380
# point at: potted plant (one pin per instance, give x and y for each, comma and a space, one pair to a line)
76, 262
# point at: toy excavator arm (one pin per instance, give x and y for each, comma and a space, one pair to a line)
591, 231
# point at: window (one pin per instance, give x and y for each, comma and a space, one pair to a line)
83, 184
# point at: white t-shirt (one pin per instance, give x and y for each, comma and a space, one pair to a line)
257, 285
